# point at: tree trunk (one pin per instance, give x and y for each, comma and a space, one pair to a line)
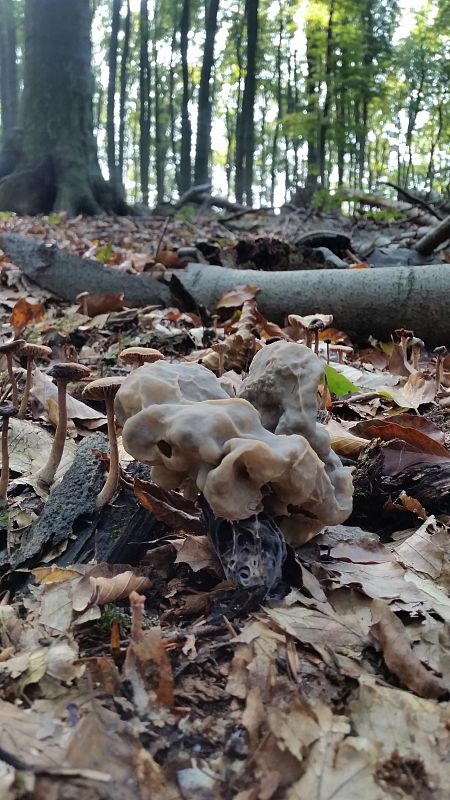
58, 166
110, 108
144, 101
123, 88
324, 122
186, 130
248, 100
203, 145
8, 86
312, 108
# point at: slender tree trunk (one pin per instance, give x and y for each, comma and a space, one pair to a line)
160, 144
8, 85
144, 108
203, 144
274, 169
312, 107
123, 89
239, 154
110, 109
58, 167
324, 122
248, 99
186, 130
172, 113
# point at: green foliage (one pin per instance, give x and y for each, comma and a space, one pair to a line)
337, 383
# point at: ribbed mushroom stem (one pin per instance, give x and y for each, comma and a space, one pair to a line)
26, 391
12, 380
47, 473
4, 477
112, 481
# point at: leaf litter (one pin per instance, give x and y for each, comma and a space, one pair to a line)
143, 674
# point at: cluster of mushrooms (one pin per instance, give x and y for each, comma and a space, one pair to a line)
100, 390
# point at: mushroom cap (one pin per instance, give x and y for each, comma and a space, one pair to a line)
12, 346
81, 295
312, 322
69, 371
31, 350
102, 388
140, 355
8, 410
440, 351
403, 333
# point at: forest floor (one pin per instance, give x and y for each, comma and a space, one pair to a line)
340, 690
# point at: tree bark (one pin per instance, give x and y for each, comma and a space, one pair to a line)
144, 101
439, 234
111, 104
203, 144
9, 88
186, 130
58, 167
123, 88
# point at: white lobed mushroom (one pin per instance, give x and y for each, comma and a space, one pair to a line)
180, 421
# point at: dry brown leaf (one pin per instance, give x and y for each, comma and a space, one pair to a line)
394, 429
238, 296
102, 589
23, 313
197, 552
102, 303
343, 441
399, 658
147, 667
425, 550
421, 424
169, 507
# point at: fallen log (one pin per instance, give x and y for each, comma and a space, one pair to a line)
67, 275
368, 301
436, 236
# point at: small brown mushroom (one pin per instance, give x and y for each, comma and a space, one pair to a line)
31, 351
137, 356
311, 324
63, 373
9, 349
105, 390
440, 353
341, 350
404, 337
416, 346
220, 348
7, 410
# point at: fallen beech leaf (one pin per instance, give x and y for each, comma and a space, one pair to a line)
412, 505
24, 312
100, 589
408, 421
54, 574
43, 390
103, 303
399, 455
390, 634
238, 296
168, 258
388, 429
147, 667
197, 552
169, 507
343, 441
426, 549
416, 391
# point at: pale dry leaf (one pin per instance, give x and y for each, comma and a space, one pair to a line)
389, 632
425, 550
29, 448
148, 668
343, 442
43, 390
197, 552
38, 740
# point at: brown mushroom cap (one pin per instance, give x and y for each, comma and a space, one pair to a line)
440, 351
12, 346
69, 371
8, 410
140, 355
35, 350
312, 322
102, 387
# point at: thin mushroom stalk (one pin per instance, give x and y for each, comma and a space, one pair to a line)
63, 374
9, 349
105, 390
112, 481
6, 411
31, 352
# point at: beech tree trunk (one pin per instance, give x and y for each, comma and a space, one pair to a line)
8, 86
110, 108
203, 144
186, 130
58, 166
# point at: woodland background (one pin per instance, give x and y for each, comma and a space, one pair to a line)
274, 100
